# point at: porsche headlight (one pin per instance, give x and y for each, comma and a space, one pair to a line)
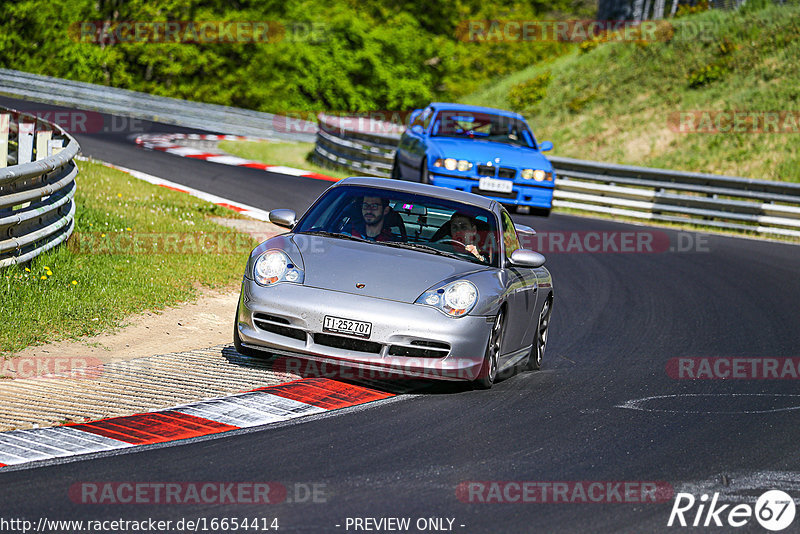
274, 266
455, 299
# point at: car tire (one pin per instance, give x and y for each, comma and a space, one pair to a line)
540, 339
540, 212
424, 176
237, 341
488, 372
396, 174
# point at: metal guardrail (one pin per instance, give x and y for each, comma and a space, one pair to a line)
208, 117
37, 186
724, 202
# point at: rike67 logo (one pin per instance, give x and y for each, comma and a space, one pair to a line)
774, 510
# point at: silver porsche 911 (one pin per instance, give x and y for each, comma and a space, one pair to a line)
409, 279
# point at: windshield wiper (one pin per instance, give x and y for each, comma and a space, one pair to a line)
337, 235
426, 248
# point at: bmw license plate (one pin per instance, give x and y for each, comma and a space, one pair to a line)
346, 326
498, 186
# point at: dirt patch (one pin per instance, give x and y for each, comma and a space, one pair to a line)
205, 322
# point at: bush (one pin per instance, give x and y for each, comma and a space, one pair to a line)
706, 75
526, 95
588, 45
579, 102
690, 10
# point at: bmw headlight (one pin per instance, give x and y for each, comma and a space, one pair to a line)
452, 164
455, 299
275, 266
538, 175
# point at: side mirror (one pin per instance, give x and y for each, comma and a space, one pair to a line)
283, 217
413, 116
526, 258
524, 229
417, 129
544, 146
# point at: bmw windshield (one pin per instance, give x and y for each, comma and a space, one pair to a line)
485, 126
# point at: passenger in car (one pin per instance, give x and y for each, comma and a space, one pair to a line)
464, 230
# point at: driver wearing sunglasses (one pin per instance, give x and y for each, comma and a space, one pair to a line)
373, 214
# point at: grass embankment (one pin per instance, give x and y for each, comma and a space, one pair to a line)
289, 154
620, 102
99, 277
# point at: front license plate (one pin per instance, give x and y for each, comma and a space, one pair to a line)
346, 326
493, 184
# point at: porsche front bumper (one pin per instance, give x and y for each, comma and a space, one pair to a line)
406, 339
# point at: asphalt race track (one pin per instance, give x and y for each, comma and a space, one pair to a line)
618, 319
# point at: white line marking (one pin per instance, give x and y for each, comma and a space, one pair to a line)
186, 151
228, 160
636, 404
250, 211
288, 170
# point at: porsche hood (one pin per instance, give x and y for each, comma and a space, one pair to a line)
374, 270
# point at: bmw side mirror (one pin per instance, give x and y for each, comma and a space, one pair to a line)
544, 146
283, 217
417, 129
526, 258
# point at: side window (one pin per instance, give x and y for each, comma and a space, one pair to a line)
510, 239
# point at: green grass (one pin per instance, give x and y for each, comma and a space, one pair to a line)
92, 287
615, 101
289, 154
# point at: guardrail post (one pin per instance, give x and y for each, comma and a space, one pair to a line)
4, 121
54, 146
25, 142
43, 144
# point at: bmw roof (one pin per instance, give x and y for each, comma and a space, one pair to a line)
421, 189
476, 109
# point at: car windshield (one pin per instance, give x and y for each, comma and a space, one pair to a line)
486, 126
405, 220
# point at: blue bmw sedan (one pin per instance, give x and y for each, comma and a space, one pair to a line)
490, 152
